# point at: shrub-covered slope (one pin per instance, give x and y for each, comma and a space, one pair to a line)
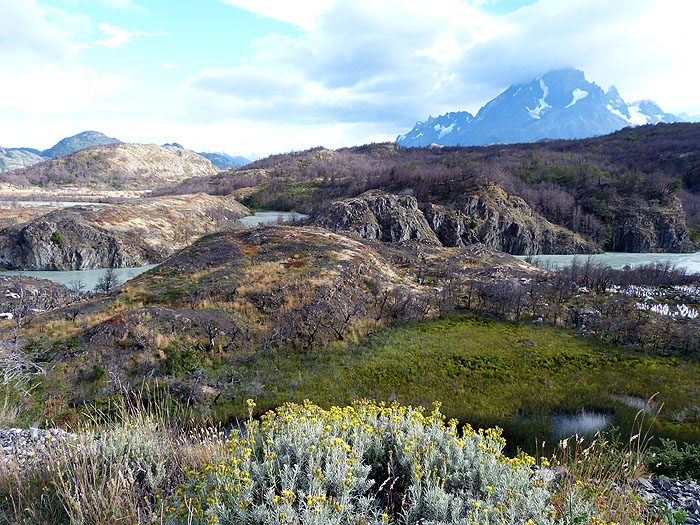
233, 295
115, 167
635, 190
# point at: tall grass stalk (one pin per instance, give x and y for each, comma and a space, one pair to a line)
603, 468
118, 471
9, 411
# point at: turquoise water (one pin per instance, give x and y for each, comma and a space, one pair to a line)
52, 203
687, 261
266, 217
88, 278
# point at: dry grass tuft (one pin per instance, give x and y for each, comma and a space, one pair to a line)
119, 472
603, 469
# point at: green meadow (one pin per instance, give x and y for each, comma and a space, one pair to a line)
485, 372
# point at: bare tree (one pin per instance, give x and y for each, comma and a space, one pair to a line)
108, 283
17, 369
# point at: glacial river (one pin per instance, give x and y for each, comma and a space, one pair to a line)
53, 203
89, 278
687, 261
266, 217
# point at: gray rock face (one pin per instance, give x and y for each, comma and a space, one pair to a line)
490, 217
81, 245
646, 228
501, 222
118, 235
375, 215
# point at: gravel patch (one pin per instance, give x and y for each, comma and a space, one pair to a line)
674, 494
24, 448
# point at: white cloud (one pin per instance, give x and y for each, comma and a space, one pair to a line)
73, 25
115, 36
52, 89
351, 71
635, 44
24, 32
42, 76
395, 62
358, 61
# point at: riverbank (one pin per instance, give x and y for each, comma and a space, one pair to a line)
617, 260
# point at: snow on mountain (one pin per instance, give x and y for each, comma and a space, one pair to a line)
559, 104
649, 112
435, 129
577, 95
541, 103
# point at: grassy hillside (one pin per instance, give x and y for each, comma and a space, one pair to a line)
238, 295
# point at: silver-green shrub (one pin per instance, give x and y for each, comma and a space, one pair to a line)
367, 463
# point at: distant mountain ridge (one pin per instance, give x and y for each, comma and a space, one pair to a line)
86, 139
220, 160
13, 159
561, 104
119, 166
17, 158
224, 160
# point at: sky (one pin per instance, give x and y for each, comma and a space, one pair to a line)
255, 77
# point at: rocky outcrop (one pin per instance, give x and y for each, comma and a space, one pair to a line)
501, 222
490, 217
377, 215
650, 227
116, 235
23, 295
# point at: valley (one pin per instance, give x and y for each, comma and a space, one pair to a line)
349, 262
386, 273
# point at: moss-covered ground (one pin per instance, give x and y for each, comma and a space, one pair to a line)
485, 372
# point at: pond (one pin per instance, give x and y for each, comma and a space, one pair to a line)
88, 278
583, 423
687, 261
267, 217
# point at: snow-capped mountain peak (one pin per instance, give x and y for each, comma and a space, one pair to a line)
558, 104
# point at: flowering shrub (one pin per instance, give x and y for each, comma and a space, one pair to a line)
367, 463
